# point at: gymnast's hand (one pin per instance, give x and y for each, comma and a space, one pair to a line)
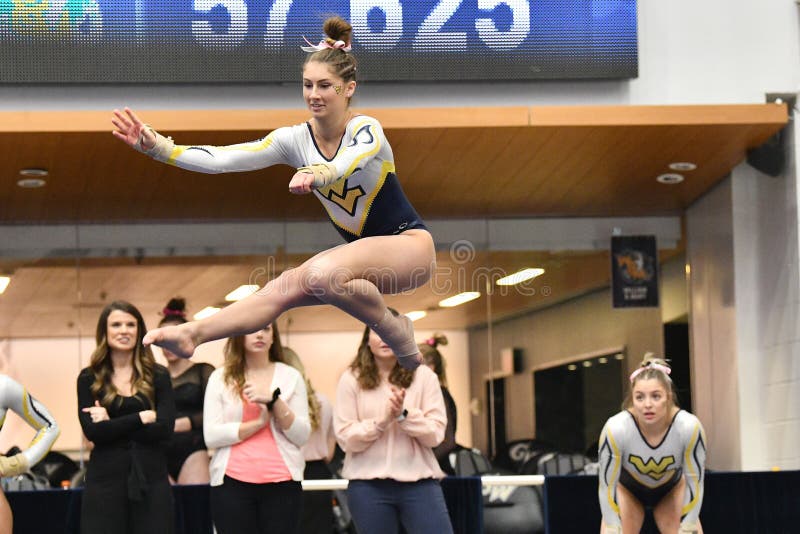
97, 413
302, 182
11, 466
132, 131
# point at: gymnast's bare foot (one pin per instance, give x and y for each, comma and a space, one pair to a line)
178, 339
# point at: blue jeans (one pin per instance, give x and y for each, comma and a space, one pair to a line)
380, 506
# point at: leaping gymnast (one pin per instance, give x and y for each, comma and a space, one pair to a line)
338, 155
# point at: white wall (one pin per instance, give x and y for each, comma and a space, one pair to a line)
712, 323
765, 226
745, 317
715, 51
48, 368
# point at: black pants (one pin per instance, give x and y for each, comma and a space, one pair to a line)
241, 507
317, 507
106, 508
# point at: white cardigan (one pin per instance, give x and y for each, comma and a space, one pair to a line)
222, 415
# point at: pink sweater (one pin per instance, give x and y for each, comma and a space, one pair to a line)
400, 451
316, 448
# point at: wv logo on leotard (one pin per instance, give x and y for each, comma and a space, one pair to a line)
344, 197
363, 136
651, 468
338, 192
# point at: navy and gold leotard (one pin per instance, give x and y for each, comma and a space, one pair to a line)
365, 200
650, 472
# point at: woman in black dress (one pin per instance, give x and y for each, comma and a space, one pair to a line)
434, 359
187, 456
126, 409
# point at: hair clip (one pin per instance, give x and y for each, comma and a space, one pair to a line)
166, 312
323, 44
657, 366
431, 341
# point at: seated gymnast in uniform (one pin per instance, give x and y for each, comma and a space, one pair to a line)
652, 455
14, 397
343, 158
187, 457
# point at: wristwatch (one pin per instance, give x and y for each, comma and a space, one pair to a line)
402, 416
275, 395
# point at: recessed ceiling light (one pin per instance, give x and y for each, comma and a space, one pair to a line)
682, 166
520, 276
461, 298
572, 367
669, 178
4, 281
416, 315
602, 359
587, 363
37, 173
31, 183
208, 311
241, 292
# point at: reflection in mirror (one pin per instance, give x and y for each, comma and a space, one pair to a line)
574, 399
40, 327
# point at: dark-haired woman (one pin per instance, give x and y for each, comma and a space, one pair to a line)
436, 363
187, 457
388, 419
346, 161
126, 409
256, 417
652, 455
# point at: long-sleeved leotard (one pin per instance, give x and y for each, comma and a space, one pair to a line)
364, 200
648, 472
14, 397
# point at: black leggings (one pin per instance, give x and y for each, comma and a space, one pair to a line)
317, 508
106, 508
241, 507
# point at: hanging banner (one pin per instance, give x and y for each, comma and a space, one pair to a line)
634, 271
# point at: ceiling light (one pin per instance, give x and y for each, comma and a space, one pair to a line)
416, 315
602, 359
461, 298
4, 281
587, 363
31, 183
572, 367
36, 173
241, 292
208, 311
521, 276
669, 178
619, 356
682, 166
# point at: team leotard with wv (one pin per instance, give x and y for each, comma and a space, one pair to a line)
365, 199
647, 472
14, 397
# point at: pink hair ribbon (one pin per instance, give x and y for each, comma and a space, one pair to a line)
323, 44
663, 368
